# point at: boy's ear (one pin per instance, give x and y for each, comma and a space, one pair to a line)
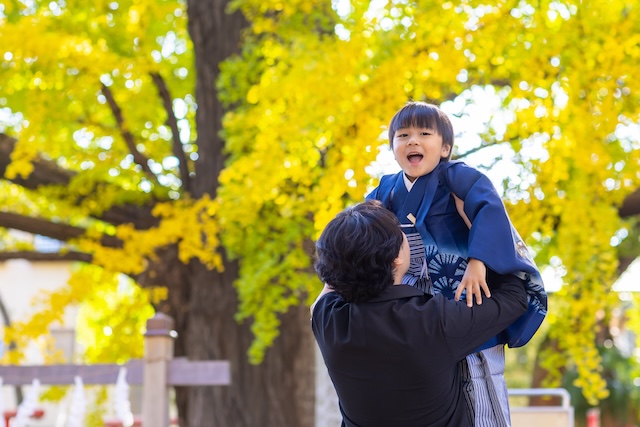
446, 149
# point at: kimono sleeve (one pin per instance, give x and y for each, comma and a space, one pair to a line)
494, 241
492, 238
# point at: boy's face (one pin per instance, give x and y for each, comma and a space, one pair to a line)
418, 150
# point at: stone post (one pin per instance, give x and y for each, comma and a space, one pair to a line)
158, 352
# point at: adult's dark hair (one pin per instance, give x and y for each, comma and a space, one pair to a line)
423, 115
356, 250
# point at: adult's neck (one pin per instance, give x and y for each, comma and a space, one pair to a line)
397, 278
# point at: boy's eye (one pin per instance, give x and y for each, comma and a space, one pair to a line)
426, 133
401, 135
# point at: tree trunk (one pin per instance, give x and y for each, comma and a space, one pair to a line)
539, 375
277, 393
280, 391
216, 36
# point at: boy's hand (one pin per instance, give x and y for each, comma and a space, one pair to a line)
474, 280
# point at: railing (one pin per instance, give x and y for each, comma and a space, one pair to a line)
157, 372
542, 416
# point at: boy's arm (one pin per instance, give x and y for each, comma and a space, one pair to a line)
492, 237
460, 208
474, 279
494, 241
474, 282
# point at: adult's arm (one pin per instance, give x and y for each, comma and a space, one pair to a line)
465, 329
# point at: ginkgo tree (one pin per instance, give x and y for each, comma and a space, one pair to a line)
112, 145
303, 133
114, 112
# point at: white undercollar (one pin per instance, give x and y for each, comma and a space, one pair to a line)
407, 183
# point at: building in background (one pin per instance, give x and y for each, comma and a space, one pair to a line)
20, 282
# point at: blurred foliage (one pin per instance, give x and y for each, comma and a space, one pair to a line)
622, 406
308, 100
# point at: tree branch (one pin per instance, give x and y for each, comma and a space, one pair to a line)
629, 248
177, 149
47, 172
43, 170
63, 232
46, 256
138, 157
476, 149
631, 205
624, 262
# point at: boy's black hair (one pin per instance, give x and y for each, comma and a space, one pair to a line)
356, 250
423, 115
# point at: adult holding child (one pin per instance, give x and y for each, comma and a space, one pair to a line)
458, 227
393, 351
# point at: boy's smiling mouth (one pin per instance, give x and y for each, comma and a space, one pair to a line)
414, 158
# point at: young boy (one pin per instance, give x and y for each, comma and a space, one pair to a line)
457, 226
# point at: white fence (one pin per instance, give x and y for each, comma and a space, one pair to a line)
157, 372
542, 416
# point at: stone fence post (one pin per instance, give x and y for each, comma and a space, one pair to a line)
158, 352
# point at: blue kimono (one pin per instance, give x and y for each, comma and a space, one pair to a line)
441, 243
448, 242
